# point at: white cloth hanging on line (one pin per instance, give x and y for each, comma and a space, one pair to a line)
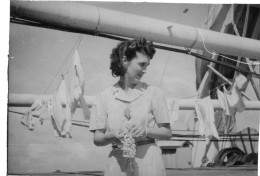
173, 106
61, 118
205, 114
27, 120
232, 102
41, 106
76, 83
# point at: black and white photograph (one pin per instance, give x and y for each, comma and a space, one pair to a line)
109, 88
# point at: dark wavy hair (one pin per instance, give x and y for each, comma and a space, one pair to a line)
129, 49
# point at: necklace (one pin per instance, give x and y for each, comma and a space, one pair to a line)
128, 111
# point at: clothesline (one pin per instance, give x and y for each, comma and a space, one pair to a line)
197, 95
76, 45
60, 106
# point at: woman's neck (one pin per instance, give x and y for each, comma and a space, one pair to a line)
126, 84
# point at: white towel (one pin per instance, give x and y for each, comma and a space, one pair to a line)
205, 114
61, 117
76, 83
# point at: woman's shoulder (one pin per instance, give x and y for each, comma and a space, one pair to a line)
154, 91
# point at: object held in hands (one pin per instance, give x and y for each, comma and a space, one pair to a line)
128, 144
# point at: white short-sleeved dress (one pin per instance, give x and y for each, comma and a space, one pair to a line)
148, 107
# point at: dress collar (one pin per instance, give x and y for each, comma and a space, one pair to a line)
135, 94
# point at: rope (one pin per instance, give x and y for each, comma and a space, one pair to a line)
65, 60
203, 41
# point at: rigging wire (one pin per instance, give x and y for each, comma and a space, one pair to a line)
196, 95
65, 60
96, 33
213, 53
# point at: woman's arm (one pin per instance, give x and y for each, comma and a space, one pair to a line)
163, 132
101, 138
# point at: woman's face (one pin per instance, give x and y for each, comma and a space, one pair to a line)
136, 68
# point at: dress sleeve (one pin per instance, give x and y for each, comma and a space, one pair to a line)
98, 115
159, 107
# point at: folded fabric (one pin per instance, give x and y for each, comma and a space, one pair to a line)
205, 114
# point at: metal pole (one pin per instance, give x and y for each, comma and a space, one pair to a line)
84, 17
26, 100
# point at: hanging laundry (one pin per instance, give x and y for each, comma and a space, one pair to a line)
76, 78
85, 108
232, 102
223, 100
79, 70
67, 126
44, 113
174, 111
235, 100
61, 119
37, 104
205, 114
27, 120
241, 82
41, 105
76, 82
70, 93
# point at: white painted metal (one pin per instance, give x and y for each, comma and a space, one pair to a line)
82, 16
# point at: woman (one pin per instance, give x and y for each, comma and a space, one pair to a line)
133, 106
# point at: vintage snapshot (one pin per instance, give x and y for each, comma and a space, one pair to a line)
133, 89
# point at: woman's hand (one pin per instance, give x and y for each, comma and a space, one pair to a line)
162, 132
137, 130
102, 138
113, 137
